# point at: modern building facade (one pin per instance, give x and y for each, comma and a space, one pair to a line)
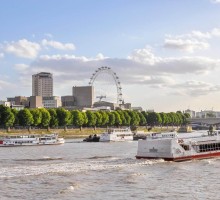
42, 84
84, 96
52, 102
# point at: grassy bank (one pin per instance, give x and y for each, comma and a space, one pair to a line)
74, 133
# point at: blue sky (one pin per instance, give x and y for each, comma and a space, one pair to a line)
165, 52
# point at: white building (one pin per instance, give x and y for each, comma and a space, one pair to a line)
52, 102
42, 84
208, 114
5, 103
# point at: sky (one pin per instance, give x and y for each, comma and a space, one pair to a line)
165, 52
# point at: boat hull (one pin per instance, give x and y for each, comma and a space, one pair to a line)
184, 158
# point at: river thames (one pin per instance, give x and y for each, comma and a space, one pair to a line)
77, 170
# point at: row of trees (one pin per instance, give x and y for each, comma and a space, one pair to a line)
41, 117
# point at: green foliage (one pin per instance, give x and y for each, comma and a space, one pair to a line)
98, 118
45, 122
64, 117
7, 116
53, 117
25, 117
111, 121
164, 119
154, 119
91, 118
118, 120
37, 116
123, 119
143, 120
78, 118
127, 118
105, 118
135, 119
15, 112
85, 118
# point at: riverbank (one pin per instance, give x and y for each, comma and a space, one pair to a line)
74, 132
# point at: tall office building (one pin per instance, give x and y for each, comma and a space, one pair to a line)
83, 96
42, 84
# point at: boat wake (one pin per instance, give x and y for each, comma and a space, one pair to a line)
100, 157
38, 159
96, 163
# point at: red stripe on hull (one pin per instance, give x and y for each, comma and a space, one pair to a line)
185, 158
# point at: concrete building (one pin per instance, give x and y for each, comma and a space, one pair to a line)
42, 84
52, 102
21, 100
36, 102
11, 100
68, 102
99, 104
84, 96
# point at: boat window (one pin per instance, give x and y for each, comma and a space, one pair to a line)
185, 147
209, 147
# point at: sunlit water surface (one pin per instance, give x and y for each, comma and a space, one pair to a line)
77, 170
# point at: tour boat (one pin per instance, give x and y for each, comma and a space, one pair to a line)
30, 140
116, 134
180, 147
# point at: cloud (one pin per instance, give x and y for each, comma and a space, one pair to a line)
196, 88
21, 67
143, 56
196, 40
23, 48
186, 45
215, 1
141, 67
58, 45
5, 84
2, 55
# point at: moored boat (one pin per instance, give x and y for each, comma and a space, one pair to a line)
92, 138
30, 140
180, 147
116, 134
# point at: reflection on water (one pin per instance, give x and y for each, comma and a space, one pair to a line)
79, 170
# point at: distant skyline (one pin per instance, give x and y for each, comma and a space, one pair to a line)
166, 53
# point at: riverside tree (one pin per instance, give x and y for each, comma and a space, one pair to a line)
98, 118
77, 118
64, 117
111, 117
25, 118
105, 118
53, 117
37, 116
7, 117
143, 120
118, 120
91, 118
45, 122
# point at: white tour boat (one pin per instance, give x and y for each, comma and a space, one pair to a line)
116, 134
180, 147
30, 140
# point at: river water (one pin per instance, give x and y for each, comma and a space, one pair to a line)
77, 170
